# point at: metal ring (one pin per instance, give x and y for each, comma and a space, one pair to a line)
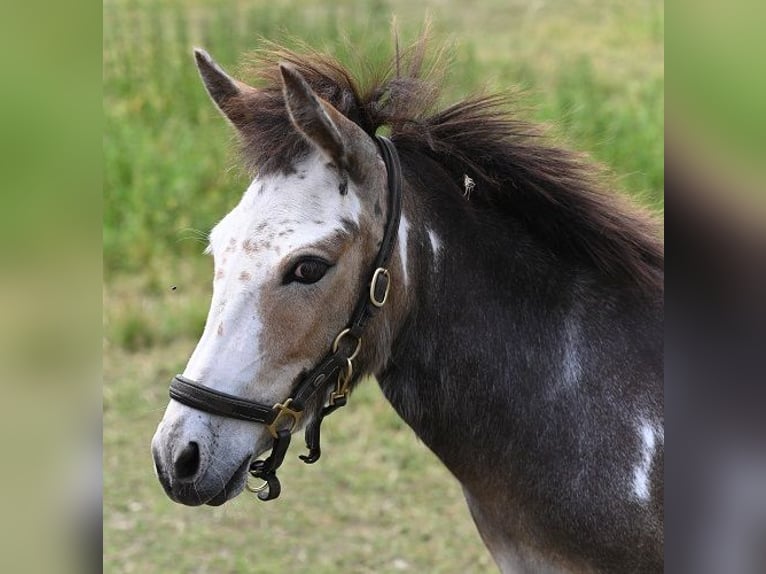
344, 378
380, 271
256, 489
343, 333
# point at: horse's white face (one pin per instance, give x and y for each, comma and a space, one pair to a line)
287, 263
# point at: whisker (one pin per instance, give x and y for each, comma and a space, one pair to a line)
220, 477
193, 234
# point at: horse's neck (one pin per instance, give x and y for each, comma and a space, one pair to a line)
493, 326
532, 378
466, 288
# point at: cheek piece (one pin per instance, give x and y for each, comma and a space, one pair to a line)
335, 367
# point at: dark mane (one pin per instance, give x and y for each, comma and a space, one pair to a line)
558, 196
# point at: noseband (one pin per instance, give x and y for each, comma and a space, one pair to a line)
336, 366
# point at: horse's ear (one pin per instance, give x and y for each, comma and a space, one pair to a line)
314, 118
230, 95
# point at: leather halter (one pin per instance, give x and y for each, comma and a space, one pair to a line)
336, 365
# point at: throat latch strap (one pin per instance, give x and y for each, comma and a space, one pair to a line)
376, 297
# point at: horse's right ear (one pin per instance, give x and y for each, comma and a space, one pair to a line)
230, 96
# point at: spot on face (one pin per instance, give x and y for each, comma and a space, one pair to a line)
248, 245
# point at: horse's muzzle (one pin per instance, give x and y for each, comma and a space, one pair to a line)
186, 482
193, 465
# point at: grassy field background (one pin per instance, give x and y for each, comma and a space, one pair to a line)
378, 501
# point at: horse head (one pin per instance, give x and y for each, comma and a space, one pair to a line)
289, 263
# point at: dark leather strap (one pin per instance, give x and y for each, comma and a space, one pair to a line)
313, 431
364, 308
266, 470
209, 400
319, 377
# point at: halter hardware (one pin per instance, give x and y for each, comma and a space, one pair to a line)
256, 489
336, 365
380, 273
347, 333
284, 409
342, 386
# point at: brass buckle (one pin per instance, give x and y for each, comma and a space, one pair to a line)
339, 338
378, 272
284, 409
344, 379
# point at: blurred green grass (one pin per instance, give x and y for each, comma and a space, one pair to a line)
378, 502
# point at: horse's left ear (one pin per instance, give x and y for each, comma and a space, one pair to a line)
316, 119
232, 97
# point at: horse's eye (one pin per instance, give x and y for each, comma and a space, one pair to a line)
308, 271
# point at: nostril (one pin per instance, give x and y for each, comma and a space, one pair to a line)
186, 463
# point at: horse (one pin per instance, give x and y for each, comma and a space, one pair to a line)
509, 305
